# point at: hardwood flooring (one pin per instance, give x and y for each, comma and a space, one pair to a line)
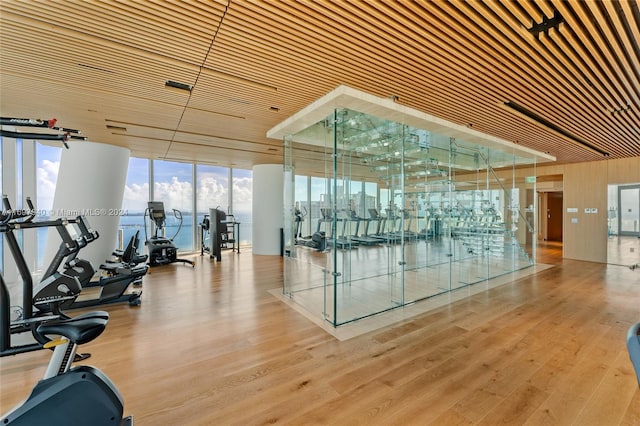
212, 346
623, 250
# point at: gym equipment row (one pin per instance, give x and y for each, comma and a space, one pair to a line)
65, 395
59, 290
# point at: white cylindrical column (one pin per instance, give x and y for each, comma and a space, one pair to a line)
267, 215
91, 182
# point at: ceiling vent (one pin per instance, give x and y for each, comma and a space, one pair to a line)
178, 85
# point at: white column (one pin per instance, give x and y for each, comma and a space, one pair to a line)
91, 182
267, 215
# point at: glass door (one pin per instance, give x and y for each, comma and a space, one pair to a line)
629, 211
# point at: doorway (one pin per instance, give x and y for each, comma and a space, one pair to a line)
629, 211
623, 245
554, 216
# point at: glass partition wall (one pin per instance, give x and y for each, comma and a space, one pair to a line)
403, 214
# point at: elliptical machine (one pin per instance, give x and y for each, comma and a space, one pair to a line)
162, 250
317, 241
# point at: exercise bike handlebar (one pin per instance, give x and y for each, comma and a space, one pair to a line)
10, 215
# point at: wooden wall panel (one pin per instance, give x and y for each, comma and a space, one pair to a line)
625, 170
585, 186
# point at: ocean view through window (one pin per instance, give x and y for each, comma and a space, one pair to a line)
187, 187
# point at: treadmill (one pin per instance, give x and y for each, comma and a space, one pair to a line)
381, 235
338, 241
364, 239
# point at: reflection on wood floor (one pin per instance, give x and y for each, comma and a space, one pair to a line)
371, 281
211, 345
623, 250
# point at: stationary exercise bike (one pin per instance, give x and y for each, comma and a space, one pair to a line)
71, 396
162, 250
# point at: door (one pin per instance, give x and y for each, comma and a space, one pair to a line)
554, 216
629, 211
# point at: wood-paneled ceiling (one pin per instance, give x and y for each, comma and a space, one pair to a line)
572, 66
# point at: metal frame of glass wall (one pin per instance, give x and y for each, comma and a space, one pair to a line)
447, 221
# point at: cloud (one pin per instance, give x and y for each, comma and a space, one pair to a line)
212, 192
242, 194
135, 197
46, 178
175, 194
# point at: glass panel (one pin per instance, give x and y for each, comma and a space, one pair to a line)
612, 213
303, 206
47, 165
212, 189
305, 261
629, 211
134, 202
174, 187
242, 203
408, 214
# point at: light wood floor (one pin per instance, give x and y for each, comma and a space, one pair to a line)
211, 346
623, 250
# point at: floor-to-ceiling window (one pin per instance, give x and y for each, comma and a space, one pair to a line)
212, 190
173, 185
241, 202
134, 201
623, 224
47, 165
629, 201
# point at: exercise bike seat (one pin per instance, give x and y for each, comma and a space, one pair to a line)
78, 330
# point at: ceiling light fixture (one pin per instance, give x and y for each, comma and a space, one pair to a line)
546, 24
546, 124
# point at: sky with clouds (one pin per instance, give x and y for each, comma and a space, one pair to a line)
173, 184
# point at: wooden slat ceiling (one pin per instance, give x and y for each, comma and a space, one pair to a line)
102, 66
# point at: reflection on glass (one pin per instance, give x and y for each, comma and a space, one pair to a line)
303, 203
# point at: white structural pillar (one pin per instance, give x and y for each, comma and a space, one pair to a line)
267, 215
91, 182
